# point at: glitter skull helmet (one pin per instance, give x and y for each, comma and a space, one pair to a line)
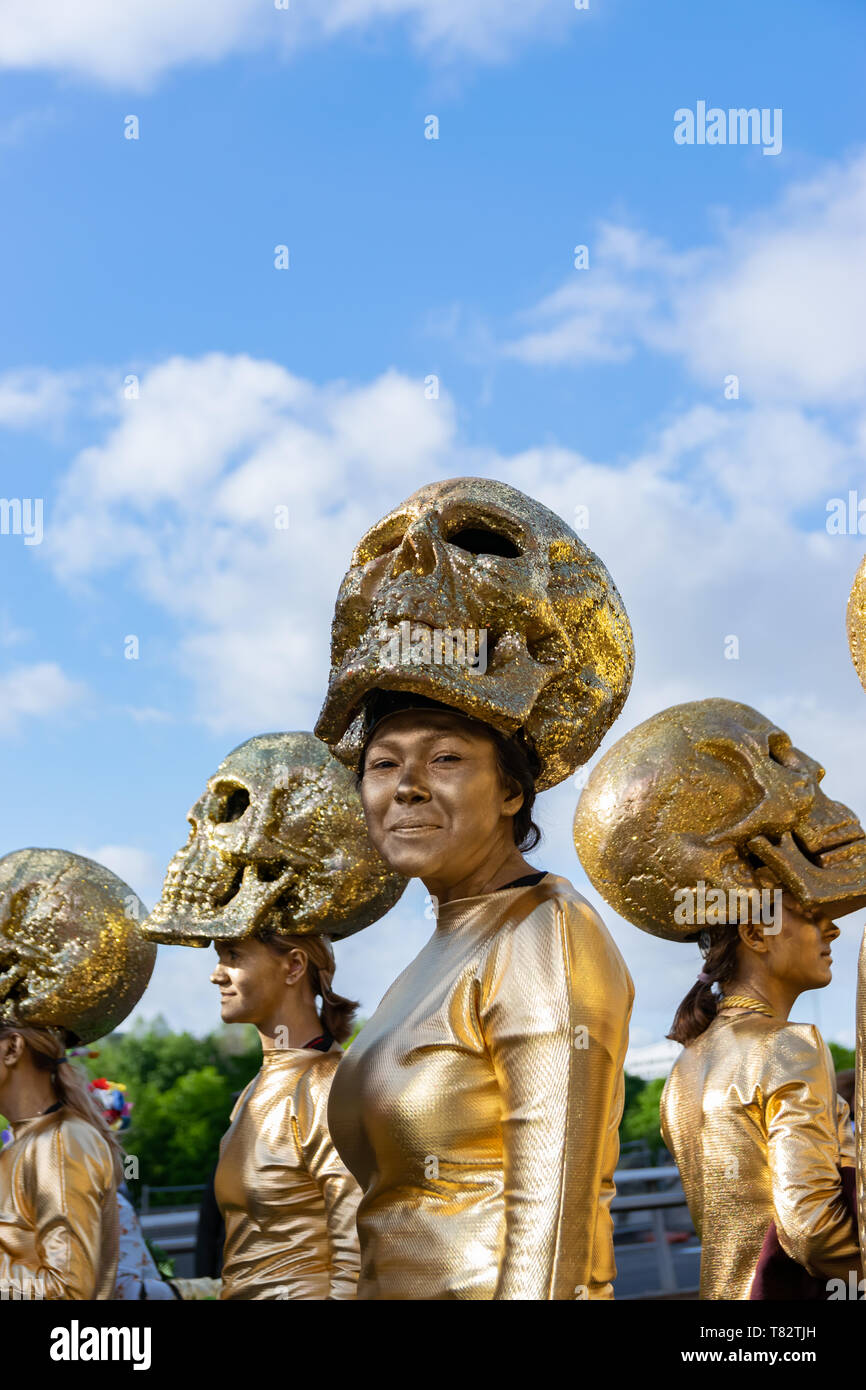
277, 842
857, 622
473, 566
72, 955
713, 792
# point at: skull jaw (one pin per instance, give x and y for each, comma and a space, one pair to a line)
837, 886
502, 696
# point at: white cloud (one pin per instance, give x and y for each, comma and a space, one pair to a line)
36, 691
779, 299
31, 397
135, 42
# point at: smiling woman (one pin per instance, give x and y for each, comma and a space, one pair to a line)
478, 1109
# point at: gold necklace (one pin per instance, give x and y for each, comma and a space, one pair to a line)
745, 1001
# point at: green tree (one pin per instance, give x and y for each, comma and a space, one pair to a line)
641, 1120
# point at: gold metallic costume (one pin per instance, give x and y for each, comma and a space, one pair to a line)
287, 1201
751, 1116
479, 1107
58, 1211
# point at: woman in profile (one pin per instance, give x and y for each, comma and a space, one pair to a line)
73, 965
694, 827
751, 1116
58, 1177
297, 868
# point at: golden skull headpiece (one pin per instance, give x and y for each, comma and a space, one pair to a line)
857, 623
72, 955
277, 841
714, 792
476, 596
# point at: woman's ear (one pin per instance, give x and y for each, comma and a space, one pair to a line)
296, 965
753, 936
11, 1048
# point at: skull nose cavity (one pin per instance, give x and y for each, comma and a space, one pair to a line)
270, 870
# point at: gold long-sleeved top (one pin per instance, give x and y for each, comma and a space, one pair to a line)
58, 1211
751, 1116
287, 1201
479, 1107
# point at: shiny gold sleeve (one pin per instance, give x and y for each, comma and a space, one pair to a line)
340, 1193
65, 1181
812, 1219
554, 1006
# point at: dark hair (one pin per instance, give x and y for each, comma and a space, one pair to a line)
516, 758
336, 1014
700, 1006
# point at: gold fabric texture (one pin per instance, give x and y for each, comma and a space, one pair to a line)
287, 1201
479, 1107
72, 955
696, 795
473, 594
58, 1211
278, 843
751, 1116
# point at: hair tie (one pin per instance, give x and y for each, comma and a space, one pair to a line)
705, 979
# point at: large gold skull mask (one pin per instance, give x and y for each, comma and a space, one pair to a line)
713, 791
72, 955
277, 841
857, 623
474, 556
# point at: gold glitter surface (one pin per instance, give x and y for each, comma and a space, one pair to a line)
288, 1203
72, 955
479, 1106
750, 1114
58, 1211
278, 841
472, 556
713, 792
857, 622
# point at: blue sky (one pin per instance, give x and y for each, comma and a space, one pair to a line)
409, 256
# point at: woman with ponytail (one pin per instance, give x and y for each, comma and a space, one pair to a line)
751, 1116
705, 824
295, 869
287, 1200
72, 967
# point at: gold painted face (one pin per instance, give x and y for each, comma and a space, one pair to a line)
277, 841
714, 792
72, 955
475, 566
857, 623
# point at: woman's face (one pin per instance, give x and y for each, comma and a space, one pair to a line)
433, 797
799, 953
251, 979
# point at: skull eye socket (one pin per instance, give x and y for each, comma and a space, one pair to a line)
481, 540
231, 803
